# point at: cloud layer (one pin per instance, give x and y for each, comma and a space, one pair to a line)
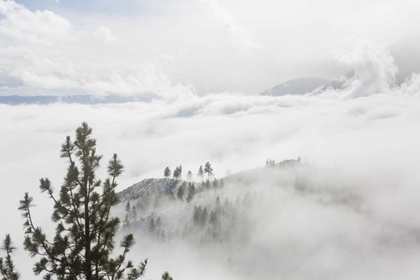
370, 142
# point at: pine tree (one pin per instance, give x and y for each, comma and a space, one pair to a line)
127, 206
200, 172
196, 214
208, 169
166, 276
134, 213
204, 217
215, 184
189, 175
213, 219
191, 193
7, 267
177, 173
207, 185
167, 172
85, 230
218, 207
180, 172
181, 192
126, 222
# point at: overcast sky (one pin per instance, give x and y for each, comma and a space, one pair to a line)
189, 47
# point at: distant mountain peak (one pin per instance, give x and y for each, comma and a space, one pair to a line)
296, 87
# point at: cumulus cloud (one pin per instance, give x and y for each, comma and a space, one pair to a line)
374, 69
42, 54
19, 26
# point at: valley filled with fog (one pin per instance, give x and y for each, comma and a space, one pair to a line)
304, 117
348, 209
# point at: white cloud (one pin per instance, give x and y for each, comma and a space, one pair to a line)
240, 36
105, 35
21, 26
369, 145
281, 41
374, 69
42, 54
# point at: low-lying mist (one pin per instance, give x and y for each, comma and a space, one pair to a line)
278, 222
349, 210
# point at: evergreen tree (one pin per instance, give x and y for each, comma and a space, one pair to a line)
207, 185
213, 218
180, 172
126, 222
222, 183
85, 231
167, 172
166, 276
177, 173
204, 217
200, 172
169, 194
215, 184
208, 169
196, 214
218, 207
189, 175
127, 206
134, 213
181, 192
191, 193
7, 267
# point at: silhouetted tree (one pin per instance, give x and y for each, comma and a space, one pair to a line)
7, 267
178, 172
167, 172
189, 175
85, 230
200, 172
208, 169
166, 276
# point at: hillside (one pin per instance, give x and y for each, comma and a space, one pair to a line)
296, 87
228, 219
